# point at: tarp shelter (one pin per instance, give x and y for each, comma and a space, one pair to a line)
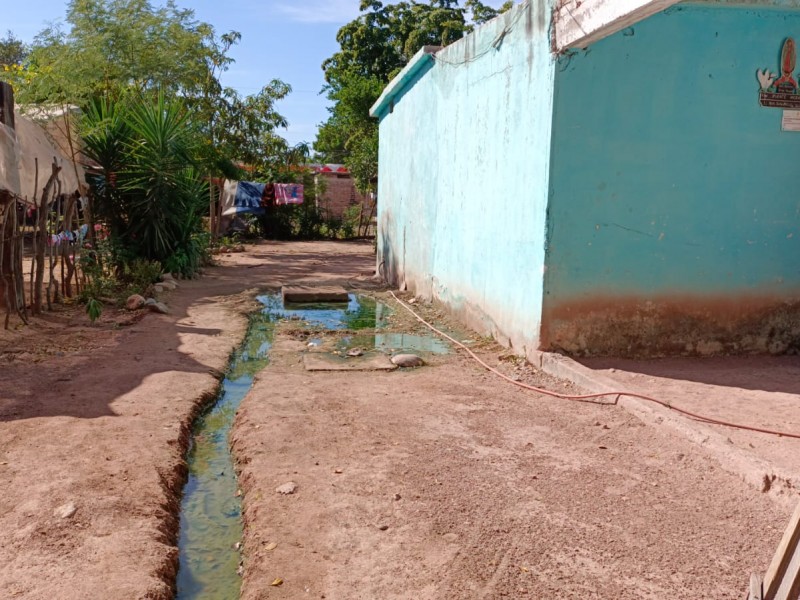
35, 144
9, 160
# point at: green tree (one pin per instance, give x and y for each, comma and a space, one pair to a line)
373, 48
248, 127
110, 46
114, 48
12, 50
482, 13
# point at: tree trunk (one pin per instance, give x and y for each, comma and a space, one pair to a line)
12, 291
212, 210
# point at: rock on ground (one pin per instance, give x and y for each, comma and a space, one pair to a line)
159, 307
287, 488
134, 302
407, 361
66, 511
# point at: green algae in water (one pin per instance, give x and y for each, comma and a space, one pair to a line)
396, 342
210, 511
360, 312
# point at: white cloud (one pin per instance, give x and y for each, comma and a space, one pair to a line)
319, 11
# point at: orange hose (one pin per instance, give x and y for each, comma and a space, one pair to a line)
697, 417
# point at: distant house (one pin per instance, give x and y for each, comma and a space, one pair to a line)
610, 177
339, 191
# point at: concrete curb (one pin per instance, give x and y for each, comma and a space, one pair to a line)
782, 486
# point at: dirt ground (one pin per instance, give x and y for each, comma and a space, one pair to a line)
94, 424
444, 482
440, 482
761, 391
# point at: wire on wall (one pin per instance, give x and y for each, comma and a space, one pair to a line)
494, 45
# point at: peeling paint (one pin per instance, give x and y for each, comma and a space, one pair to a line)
463, 176
617, 201
673, 325
671, 181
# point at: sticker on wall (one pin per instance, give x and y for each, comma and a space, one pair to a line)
791, 120
781, 92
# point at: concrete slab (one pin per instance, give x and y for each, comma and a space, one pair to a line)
308, 293
327, 362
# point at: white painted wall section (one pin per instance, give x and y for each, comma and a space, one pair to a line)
579, 23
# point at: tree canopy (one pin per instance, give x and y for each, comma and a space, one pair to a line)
373, 49
157, 123
12, 50
112, 48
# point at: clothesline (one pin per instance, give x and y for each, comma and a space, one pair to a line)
56, 239
239, 197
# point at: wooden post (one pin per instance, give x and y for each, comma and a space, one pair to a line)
7, 105
7, 210
782, 581
756, 588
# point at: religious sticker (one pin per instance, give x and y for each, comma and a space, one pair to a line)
783, 91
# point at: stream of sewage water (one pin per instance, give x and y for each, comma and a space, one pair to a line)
210, 523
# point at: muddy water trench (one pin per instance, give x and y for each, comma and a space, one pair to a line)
210, 524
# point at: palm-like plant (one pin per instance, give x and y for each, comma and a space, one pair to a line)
105, 132
149, 192
160, 178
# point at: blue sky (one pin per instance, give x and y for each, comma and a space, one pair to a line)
283, 39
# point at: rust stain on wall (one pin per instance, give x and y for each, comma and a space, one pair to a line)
689, 325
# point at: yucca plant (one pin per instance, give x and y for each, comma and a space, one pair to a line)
149, 192
106, 133
159, 178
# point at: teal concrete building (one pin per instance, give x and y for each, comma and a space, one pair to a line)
610, 177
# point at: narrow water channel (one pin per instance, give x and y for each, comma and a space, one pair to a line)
211, 522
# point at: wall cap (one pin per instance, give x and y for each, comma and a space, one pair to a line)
401, 81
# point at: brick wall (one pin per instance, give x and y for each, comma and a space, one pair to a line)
340, 193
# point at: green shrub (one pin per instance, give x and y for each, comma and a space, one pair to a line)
149, 193
94, 308
351, 220
141, 274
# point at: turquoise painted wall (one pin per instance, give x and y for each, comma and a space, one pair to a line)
464, 163
667, 176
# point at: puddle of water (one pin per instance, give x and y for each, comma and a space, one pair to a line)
359, 313
395, 342
210, 511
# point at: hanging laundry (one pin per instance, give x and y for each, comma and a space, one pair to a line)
242, 197
62, 237
288, 193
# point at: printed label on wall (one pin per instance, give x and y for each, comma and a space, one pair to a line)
791, 120
783, 91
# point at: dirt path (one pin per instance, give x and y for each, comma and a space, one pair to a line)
94, 424
760, 391
435, 483
446, 483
